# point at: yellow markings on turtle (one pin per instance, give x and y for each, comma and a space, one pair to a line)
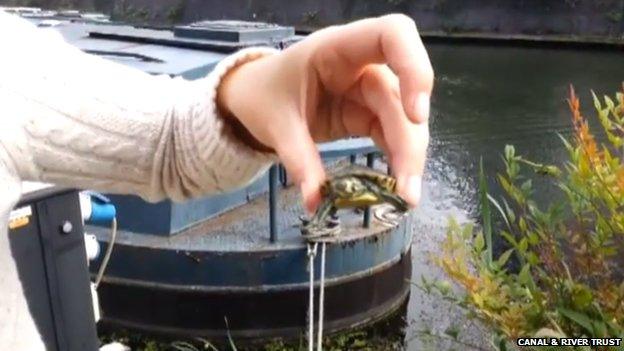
353, 187
364, 199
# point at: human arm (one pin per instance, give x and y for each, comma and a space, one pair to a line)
371, 77
78, 120
74, 119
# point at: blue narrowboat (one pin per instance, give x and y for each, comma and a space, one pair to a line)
231, 263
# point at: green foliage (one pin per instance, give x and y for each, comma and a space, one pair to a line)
310, 18
568, 281
361, 340
485, 212
176, 12
395, 2
124, 10
614, 16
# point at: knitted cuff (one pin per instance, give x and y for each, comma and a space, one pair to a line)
236, 162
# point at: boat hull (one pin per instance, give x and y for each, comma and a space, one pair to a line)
253, 314
227, 267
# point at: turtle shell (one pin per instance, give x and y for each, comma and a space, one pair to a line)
385, 181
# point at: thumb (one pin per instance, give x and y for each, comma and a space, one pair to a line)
300, 157
409, 164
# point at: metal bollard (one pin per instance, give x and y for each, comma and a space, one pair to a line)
273, 181
283, 176
370, 162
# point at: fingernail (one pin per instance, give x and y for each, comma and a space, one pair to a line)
421, 106
412, 189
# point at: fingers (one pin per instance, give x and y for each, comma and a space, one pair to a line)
410, 166
358, 120
250, 94
394, 40
407, 57
406, 141
300, 156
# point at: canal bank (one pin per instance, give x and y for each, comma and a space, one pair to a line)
575, 20
487, 97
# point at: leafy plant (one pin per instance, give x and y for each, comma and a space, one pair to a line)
567, 279
176, 12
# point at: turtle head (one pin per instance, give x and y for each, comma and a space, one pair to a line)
388, 184
325, 188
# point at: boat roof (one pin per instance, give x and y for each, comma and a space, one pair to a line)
189, 50
149, 57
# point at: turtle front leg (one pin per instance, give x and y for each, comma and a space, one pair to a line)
399, 204
325, 210
390, 215
322, 223
320, 213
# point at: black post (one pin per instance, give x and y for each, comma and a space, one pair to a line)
370, 162
352, 158
273, 178
48, 248
283, 177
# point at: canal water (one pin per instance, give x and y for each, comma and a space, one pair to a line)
484, 98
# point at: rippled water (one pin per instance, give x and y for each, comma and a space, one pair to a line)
485, 98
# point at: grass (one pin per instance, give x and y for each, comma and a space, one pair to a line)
363, 340
387, 335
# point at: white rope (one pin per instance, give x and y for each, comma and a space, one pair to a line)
107, 255
311, 255
319, 341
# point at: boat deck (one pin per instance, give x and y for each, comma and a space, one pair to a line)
246, 228
226, 266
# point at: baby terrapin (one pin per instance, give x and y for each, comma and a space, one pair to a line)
352, 187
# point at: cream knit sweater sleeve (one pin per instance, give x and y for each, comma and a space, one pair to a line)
78, 120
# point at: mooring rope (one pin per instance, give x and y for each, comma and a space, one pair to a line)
311, 255
387, 216
312, 248
319, 342
107, 255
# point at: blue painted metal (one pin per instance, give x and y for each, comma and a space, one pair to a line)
189, 213
132, 212
210, 266
234, 31
273, 230
167, 38
283, 175
370, 162
347, 147
168, 217
253, 315
199, 72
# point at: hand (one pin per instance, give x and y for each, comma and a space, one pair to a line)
367, 78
